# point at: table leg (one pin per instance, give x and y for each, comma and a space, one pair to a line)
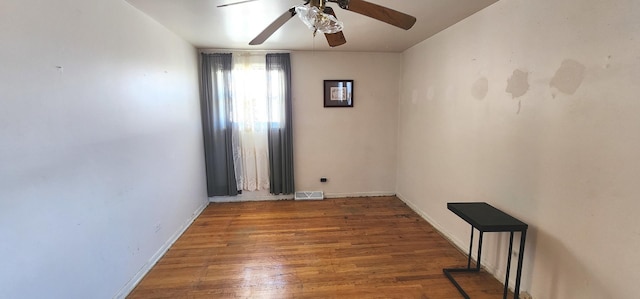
506, 280
523, 237
479, 251
447, 272
470, 249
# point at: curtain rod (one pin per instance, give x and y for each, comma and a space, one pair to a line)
208, 51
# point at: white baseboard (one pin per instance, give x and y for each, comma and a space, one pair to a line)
262, 195
127, 288
358, 194
457, 242
265, 195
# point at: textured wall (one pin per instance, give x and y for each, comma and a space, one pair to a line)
355, 148
533, 107
100, 146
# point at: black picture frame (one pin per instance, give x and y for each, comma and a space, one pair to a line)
338, 93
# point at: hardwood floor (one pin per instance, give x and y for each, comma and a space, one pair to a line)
373, 247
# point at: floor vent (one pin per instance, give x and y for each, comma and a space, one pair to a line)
309, 195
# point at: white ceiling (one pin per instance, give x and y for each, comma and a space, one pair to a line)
206, 26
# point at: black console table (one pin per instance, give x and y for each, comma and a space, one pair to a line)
486, 218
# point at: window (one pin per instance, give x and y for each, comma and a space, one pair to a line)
250, 120
246, 112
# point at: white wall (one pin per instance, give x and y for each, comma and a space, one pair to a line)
101, 157
355, 148
533, 107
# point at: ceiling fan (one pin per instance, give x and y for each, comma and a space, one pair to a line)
321, 18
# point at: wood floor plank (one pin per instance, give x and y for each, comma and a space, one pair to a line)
371, 247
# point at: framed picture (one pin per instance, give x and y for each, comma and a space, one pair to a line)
338, 93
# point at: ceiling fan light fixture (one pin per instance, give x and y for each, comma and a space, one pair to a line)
317, 20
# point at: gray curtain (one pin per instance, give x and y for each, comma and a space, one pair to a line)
280, 127
216, 124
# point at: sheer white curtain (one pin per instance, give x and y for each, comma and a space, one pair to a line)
250, 122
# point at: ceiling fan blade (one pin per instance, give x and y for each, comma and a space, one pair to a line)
381, 13
234, 3
273, 27
334, 39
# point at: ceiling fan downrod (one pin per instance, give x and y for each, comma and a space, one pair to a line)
318, 3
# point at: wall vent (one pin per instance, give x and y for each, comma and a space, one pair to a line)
309, 195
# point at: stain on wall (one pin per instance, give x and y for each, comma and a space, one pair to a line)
568, 77
518, 84
607, 62
414, 96
431, 93
480, 88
